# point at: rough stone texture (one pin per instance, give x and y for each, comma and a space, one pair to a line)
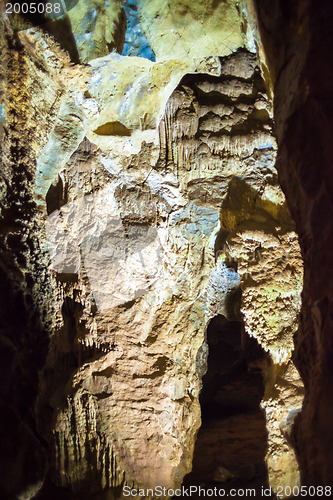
126, 107
265, 253
267, 257
32, 87
123, 356
297, 39
162, 213
182, 29
136, 43
98, 28
233, 388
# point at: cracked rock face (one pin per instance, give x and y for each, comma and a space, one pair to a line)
159, 210
302, 86
140, 247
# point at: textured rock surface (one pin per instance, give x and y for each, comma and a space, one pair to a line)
168, 239
297, 41
248, 238
181, 29
136, 43
32, 88
136, 353
98, 27
126, 107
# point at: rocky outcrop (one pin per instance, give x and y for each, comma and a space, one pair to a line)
31, 90
181, 29
137, 245
173, 273
98, 27
297, 40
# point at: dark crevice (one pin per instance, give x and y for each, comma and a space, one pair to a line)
115, 128
56, 196
60, 26
232, 442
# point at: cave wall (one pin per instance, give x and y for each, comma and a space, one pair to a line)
31, 90
156, 196
173, 201
297, 39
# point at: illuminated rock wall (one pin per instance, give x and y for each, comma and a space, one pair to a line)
157, 208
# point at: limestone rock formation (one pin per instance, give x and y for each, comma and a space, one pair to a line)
136, 43
297, 43
160, 256
98, 27
181, 29
31, 92
144, 231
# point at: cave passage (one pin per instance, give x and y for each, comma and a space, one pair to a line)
232, 441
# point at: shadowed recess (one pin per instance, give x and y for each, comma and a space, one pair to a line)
112, 128
232, 441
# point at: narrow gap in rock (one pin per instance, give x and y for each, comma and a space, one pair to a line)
232, 441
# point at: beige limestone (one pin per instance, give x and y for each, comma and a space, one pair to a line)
183, 29
117, 112
155, 180
141, 234
98, 27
